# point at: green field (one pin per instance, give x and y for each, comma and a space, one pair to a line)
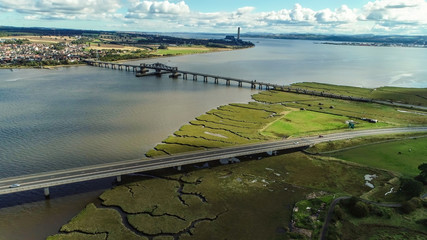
402, 156
254, 199
299, 123
415, 96
225, 126
216, 202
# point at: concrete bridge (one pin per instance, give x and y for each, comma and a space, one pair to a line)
159, 69
44, 180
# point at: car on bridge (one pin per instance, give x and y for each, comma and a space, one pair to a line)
15, 185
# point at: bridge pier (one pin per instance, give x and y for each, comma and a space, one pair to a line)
184, 76
194, 77
216, 80
240, 83
119, 179
46, 192
179, 168
175, 75
205, 79
227, 82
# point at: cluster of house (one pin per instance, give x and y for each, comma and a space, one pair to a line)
21, 53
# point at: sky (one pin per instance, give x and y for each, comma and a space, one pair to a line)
403, 17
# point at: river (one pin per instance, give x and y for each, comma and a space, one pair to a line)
77, 116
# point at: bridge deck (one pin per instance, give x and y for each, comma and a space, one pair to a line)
61, 177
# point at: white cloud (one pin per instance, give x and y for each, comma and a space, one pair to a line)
62, 9
396, 12
145, 8
341, 15
378, 16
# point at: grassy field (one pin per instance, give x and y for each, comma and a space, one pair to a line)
415, 96
224, 201
93, 223
254, 199
44, 39
182, 50
225, 126
384, 114
402, 156
276, 115
298, 123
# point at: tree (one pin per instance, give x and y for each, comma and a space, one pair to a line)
410, 187
422, 177
360, 209
163, 46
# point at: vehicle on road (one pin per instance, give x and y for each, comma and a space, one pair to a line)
15, 185
320, 136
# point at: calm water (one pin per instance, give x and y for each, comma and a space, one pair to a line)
76, 116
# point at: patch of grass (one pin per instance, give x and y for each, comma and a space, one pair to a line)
140, 199
384, 114
77, 235
175, 148
415, 96
95, 220
298, 123
359, 141
185, 50
402, 156
158, 224
226, 126
155, 153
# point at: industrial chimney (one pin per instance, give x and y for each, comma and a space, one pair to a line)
238, 33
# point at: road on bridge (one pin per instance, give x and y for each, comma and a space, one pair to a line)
61, 177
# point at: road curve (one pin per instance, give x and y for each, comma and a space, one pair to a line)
81, 174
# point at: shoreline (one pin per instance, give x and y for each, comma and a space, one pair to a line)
122, 61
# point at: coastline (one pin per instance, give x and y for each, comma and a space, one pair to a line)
149, 56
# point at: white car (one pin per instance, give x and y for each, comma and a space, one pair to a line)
15, 185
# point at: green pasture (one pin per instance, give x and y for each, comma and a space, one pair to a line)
359, 141
415, 96
299, 123
403, 156
383, 113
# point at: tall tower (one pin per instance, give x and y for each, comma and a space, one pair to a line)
238, 33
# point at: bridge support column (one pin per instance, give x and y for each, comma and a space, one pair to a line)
175, 75
158, 72
227, 82
216, 80
46, 192
119, 179
179, 168
194, 77
184, 76
260, 86
240, 83
205, 79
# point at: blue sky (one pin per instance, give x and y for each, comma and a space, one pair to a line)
222, 16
